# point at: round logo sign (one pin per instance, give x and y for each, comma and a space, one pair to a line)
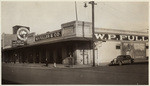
22, 33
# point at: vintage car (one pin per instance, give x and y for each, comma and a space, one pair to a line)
122, 59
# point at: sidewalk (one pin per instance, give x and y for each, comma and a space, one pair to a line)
51, 66
42, 65
141, 61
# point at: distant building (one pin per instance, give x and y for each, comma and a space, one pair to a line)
7, 40
74, 39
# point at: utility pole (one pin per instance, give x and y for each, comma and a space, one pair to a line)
76, 11
93, 32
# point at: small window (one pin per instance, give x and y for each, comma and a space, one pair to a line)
146, 47
117, 47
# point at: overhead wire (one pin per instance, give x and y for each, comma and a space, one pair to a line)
112, 14
121, 18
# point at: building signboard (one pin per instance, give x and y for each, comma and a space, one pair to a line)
48, 35
7, 40
120, 37
16, 43
21, 31
31, 38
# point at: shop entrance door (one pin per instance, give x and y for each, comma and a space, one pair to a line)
84, 55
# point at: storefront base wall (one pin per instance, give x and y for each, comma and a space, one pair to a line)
107, 51
86, 59
83, 53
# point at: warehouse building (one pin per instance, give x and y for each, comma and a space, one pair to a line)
74, 39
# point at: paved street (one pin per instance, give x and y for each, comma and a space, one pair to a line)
103, 75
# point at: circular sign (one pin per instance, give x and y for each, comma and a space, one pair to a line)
22, 33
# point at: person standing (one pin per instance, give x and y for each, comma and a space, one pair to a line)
70, 60
54, 62
46, 62
15, 56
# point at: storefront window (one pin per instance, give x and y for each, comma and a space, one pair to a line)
147, 47
117, 47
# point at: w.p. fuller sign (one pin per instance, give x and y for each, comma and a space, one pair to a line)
119, 37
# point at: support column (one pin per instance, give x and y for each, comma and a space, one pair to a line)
34, 55
55, 55
64, 52
75, 54
40, 55
47, 54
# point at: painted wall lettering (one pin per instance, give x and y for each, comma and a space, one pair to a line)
102, 36
48, 35
111, 36
99, 36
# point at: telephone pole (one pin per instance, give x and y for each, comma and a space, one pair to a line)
93, 31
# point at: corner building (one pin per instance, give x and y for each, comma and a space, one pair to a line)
75, 38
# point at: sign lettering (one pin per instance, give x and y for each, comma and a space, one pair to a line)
48, 35
16, 43
102, 36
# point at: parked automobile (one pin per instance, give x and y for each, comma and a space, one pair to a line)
122, 59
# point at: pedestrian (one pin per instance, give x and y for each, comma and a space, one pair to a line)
46, 62
70, 60
54, 62
15, 56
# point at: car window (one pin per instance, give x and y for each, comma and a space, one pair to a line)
128, 57
119, 57
124, 57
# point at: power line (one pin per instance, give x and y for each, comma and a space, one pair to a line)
121, 18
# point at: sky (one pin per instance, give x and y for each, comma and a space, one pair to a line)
43, 16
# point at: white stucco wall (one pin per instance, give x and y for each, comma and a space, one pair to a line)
83, 29
79, 57
107, 51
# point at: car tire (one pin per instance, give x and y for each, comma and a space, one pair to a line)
130, 61
120, 63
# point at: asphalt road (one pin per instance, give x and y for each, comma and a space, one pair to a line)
105, 75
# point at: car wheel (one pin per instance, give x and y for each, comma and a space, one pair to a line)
130, 61
120, 63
